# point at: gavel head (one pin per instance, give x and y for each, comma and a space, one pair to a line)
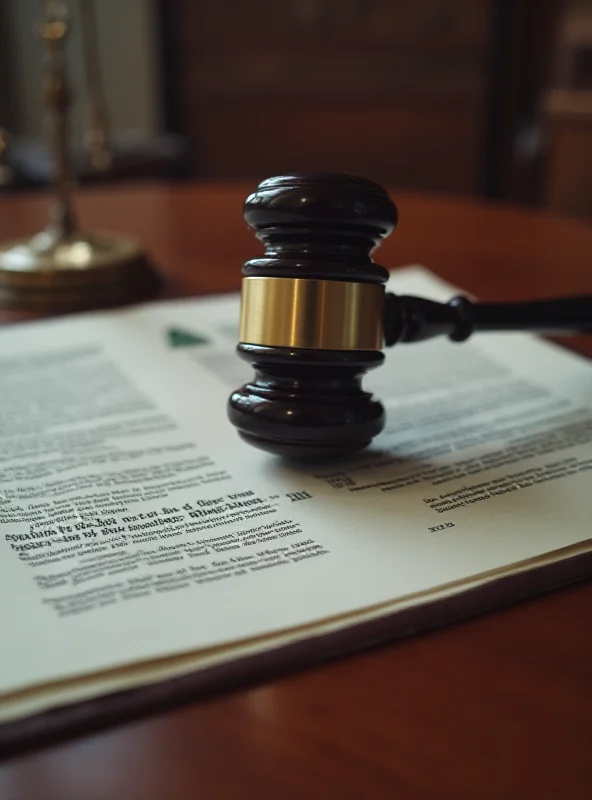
312, 315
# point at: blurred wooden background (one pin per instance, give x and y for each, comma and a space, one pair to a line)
474, 97
426, 95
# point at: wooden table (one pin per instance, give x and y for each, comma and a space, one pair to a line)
498, 707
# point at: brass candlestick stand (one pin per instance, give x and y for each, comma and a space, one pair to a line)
62, 267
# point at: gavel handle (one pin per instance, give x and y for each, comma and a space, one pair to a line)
415, 319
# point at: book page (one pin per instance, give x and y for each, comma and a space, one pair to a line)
139, 536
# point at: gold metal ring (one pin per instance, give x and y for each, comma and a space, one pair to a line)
311, 314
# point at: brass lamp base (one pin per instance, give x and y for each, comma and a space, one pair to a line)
52, 271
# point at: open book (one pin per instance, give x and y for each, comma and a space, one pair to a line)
147, 553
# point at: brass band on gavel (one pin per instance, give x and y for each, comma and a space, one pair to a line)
311, 314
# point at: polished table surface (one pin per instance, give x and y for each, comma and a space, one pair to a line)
497, 707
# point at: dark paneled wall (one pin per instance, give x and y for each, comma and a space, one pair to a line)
392, 89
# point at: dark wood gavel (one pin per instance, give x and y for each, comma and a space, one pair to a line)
315, 315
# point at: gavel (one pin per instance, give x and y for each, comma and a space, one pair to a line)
315, 315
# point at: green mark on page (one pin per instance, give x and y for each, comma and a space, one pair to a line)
178, 337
